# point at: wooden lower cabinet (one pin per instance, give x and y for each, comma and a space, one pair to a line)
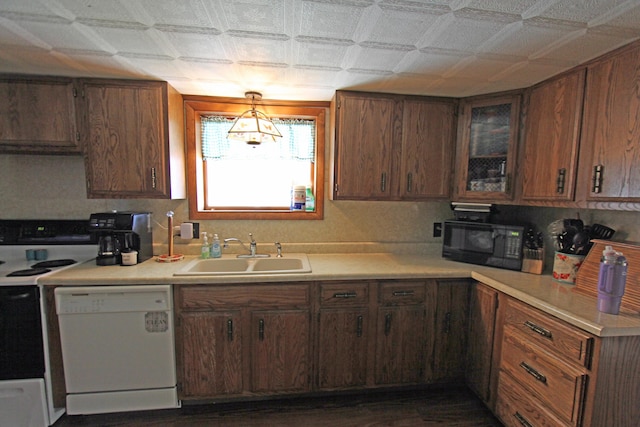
483, 305
238, 341
343, 330
211, 353
243, 340
452, 314
400, 338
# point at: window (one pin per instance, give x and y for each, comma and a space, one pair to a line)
232, 180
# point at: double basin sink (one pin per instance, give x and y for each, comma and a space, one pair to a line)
290, 263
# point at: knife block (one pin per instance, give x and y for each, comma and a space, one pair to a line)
587, 277
533, 261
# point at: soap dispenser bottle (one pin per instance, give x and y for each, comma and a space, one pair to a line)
204, 253
612, 279
216, 250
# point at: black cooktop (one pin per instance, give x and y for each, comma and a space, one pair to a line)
28, 272
54, 263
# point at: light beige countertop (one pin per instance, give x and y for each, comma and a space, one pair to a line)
540, 291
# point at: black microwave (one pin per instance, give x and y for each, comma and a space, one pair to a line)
494, 245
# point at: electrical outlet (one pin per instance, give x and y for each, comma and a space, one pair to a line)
437, 229
196, 230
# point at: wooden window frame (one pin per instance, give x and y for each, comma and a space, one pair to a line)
196, 106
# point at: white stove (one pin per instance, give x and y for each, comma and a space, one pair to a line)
25, 373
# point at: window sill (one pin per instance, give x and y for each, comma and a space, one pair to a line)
257, 215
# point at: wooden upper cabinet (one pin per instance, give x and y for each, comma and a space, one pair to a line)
428, 135
133, 133
392, 147
486, 148
610, 155
366, 127
37, 115
551, 139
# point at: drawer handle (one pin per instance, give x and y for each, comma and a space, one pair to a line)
387, 324
261, 329
539, 330
345, 295
403, 293
534, 373
522, 420
230, 329
560, 181
359, 327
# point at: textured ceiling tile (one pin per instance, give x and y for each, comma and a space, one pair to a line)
331, 20
516, 7
191, 13
59, 36
629, 19
430, 62
375, 60
319, 55
112, 10
524, 40
587, 46
254, 15
260, 50
466, 34
400, 27
197, 45
130, 40
581, 10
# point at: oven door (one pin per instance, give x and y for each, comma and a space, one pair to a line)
21, 342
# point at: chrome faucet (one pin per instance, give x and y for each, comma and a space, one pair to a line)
253, 247
278, 250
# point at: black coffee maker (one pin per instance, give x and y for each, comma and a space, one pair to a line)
119, 232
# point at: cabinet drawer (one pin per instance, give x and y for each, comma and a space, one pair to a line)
558, 385
208, 297
516, 408
402, 293
552, 334
344, 294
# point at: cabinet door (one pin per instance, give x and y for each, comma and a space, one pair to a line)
38, 116
211, 348
280, 351
400, 346
428, 132
342, 359
487, 148
126, 139
611, 137
366, 128
451, 331
552, 132
483, 302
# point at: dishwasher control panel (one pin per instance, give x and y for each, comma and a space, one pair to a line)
112, 299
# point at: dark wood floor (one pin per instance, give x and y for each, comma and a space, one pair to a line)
436, 407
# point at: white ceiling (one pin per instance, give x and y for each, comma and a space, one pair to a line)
306, 49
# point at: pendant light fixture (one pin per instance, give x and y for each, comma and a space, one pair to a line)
253, 126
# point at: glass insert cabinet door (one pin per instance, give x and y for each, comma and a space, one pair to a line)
487, 150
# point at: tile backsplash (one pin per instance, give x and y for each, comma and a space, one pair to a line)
54, 187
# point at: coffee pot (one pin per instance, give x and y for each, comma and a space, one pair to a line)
122, 232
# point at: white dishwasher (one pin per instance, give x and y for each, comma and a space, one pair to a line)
117, 348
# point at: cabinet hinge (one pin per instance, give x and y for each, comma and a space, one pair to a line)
335, 188
339, 104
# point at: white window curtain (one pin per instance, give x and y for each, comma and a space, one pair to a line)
297, 142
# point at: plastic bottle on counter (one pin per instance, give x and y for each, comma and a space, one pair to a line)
310, 202
204, 254
216, 250
612, 279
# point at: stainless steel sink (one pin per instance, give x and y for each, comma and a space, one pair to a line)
289, 263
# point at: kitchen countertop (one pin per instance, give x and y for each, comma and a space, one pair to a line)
539, 291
